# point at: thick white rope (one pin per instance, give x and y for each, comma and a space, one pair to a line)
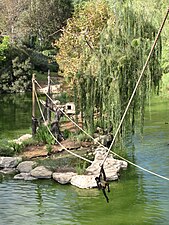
72, 153
137, 84
131, 163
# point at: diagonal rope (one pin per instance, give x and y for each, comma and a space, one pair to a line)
72, 153
137, 84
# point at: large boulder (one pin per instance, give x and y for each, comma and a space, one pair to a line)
26, 166
63, 178
84, 181
41, 172
9, 162
111, 166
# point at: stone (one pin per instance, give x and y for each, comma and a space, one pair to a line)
103, 139
41, 172
26, 166
84, 181
9, 162
22, 138
111, 166
63, 178
24, 176
8, 171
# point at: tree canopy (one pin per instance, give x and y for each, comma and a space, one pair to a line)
102, 51
27, 31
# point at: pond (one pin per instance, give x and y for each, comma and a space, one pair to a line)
15, 115
137, 198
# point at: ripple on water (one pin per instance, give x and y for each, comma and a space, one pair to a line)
34, 203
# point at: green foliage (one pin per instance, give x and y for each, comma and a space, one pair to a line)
102, 52
66, 133
43, 136
16, 147
4, 46
30, 142
49, 148
40, 29
81, 167
81, 36
16, 70
5, 149
82, 137
63, 97
21, 75
27, 26
10, 148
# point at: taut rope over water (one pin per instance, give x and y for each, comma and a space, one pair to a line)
137, 84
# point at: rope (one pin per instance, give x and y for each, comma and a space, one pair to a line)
72, 153
72, 120
131, 163
137, 84
148, 171
130, 100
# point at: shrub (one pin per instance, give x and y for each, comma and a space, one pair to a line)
43, 136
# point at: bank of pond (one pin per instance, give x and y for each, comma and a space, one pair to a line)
30, 170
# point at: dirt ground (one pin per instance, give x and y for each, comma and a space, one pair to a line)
41, 151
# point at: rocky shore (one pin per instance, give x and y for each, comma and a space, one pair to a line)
29, 170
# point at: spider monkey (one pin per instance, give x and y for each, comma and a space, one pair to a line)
102, 183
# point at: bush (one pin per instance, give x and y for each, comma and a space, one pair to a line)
81, 167
8, 148
43, 136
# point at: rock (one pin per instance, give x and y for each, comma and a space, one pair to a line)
103, 139
8, 171
63, 178
24, 176
26, 166
22, 138
9, 162
111, 166
41, 172
84, 181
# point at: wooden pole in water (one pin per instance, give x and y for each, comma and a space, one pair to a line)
34, 120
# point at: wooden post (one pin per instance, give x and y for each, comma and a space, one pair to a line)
48, 101
34, 120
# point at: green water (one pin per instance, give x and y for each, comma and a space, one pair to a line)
138, 198
15, 115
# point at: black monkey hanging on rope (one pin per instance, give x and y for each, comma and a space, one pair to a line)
102, 183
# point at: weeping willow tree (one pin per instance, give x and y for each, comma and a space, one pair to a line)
102, 51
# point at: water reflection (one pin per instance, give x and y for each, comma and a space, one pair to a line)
46, 202
15, 111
